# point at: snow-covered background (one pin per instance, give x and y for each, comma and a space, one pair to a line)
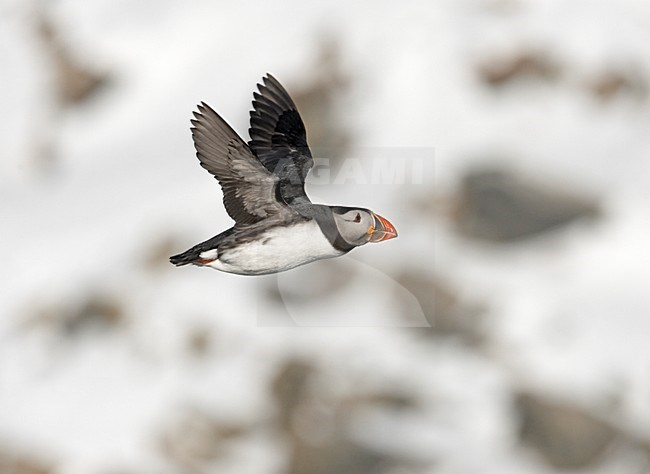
506, 330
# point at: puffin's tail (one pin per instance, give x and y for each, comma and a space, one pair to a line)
193, 255
186, 257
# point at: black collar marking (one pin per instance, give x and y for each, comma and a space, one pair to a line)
324, 217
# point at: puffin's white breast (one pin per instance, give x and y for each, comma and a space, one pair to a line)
276, 250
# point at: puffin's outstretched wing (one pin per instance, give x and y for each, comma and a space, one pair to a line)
279, 140
248, 187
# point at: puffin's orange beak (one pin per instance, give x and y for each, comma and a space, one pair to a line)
382, 230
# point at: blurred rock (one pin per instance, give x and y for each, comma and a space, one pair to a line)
74, 82
448, 316
523, 65
199, 341
289, 388
96, 313
196, 439
12, 462
322, 104
155, 257
325, 444
71, 83
393, 400
335, 456
309, 285
316, 422
564, 434
619, 82
496, 205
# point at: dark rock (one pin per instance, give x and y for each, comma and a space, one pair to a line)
200, 341
529, 65
443, 309
335, 456
196, 439
155, 257
72, 82
14, 462
322, 104
567, 436
95, 313
615, 82
289, 388
316, 423
309, 285
495, 205
75, 82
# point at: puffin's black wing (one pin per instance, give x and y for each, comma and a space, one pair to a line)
248, 187
279, 140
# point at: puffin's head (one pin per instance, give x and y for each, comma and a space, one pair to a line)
360, 226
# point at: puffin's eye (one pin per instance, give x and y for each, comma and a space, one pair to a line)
357, 218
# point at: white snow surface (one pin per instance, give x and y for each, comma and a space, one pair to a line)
568, 314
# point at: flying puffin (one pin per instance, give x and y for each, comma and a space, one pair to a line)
276, 225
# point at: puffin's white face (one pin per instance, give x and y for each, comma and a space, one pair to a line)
360, 226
